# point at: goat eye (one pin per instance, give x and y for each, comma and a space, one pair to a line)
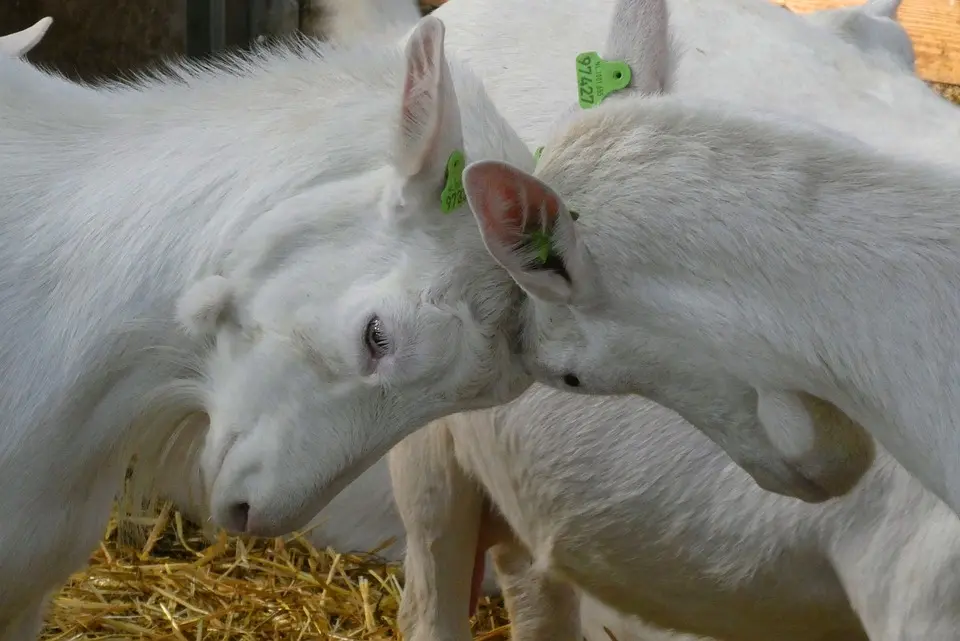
375, 338
571, 380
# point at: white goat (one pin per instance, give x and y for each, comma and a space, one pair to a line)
659, 526
725, 247
20, 43
816, 77
287, 209
363, 516
627, 501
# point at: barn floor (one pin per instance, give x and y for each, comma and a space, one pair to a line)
176, 586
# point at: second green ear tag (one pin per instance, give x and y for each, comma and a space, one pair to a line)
542, 244
453, 194
598, 78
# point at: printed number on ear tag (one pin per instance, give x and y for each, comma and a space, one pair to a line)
598, 78
453, 194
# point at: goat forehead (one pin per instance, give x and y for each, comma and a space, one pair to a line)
560, 336
397, 275
553, 322
550, 334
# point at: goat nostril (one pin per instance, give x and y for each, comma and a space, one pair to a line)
239, 516
571, 380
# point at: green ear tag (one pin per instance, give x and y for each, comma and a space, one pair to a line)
537, 154
453, 194
543, 245
598, 78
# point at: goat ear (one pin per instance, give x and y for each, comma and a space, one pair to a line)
429, 115
640, 36
528, 230
202, 308
20, 43
428, 147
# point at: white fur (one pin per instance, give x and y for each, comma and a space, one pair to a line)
815, 76
264, 180
622, 500
20, 43
670, 294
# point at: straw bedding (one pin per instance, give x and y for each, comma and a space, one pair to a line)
179, 586
950, 92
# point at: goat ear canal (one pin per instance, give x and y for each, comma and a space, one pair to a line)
554, 264
541, 253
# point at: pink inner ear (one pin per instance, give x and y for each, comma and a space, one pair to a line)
420, 65
510, 204
421, 106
